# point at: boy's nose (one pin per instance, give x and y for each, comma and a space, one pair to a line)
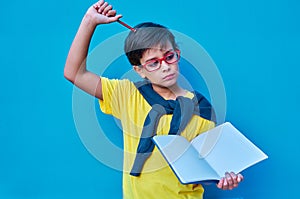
165, 66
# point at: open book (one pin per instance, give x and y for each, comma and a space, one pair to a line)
209, 155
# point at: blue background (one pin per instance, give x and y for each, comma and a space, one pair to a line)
255, 45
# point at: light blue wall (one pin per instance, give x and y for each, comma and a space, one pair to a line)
255, 45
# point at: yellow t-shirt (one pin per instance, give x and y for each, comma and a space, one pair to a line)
122, 100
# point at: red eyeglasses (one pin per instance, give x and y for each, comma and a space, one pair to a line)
155, 64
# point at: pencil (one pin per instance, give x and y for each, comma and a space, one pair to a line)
127, 26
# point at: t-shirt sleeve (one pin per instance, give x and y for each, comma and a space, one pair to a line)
115, 94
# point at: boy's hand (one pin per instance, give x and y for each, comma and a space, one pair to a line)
230, 181
102, 13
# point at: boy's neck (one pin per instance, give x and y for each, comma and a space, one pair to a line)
170, 93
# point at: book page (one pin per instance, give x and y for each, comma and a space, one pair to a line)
184, 160
172, 146
230, 151
205, 142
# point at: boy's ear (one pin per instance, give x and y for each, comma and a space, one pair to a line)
139, 71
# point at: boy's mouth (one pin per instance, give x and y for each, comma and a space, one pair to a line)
169, 77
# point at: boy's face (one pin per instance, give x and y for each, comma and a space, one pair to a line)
167, 74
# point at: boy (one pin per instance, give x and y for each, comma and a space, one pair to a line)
147, 108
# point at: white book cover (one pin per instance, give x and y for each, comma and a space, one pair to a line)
209, 155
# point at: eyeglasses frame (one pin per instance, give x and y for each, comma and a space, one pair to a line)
161, 60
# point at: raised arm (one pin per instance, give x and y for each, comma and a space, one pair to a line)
75, 68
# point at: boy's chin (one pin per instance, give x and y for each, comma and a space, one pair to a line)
166, 84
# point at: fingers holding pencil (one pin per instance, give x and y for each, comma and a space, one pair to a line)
105, 12
106, 9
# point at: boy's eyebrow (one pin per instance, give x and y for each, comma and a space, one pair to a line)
166, 52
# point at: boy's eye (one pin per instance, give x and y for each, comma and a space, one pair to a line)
170, 57
152, 64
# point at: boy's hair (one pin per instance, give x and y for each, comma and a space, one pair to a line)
146, 36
